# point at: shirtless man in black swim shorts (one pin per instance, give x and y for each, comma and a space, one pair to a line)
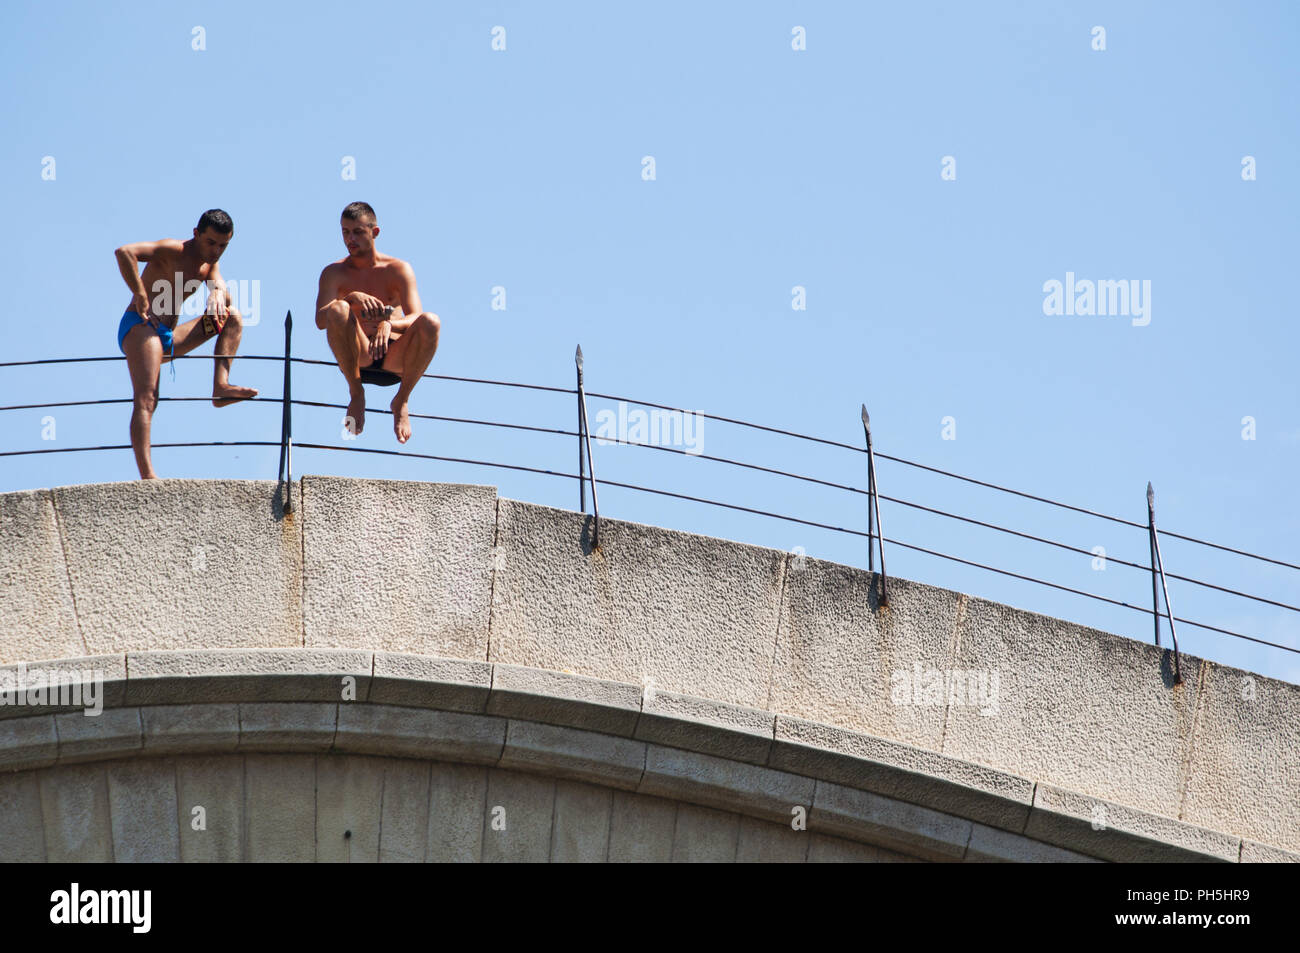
147, 333
370, 311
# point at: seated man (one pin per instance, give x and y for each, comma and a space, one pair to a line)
147, 333
370, 311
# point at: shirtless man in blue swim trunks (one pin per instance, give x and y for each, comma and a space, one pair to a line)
148, 334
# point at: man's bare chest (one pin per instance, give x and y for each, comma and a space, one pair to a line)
381, 286
170, 284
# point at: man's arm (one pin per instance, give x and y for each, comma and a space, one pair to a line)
363, 305
219, 301
326, 293
398, 319
128, 263
410, 298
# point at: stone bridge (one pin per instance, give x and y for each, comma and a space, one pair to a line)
422, 672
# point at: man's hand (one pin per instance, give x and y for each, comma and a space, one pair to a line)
365, 306
217, 304
379, 340
216, 312
140, 305
370, 325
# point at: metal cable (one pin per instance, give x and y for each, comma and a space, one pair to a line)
955, 516
743, 423
126, 400
1043, 582
738, 463
948, 473
683, 496
293, 360
127, 446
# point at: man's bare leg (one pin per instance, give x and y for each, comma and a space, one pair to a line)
223, 392
144, 360
349, 344
190, 335
418, 343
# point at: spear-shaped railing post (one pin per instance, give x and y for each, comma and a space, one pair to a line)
582, 472
873, 512
871, 495
1158, 563
1151, 541
586, 441
286, 419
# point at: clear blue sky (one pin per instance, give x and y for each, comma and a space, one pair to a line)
775, 168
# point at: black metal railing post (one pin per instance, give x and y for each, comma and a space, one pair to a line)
582, 473
1151, 542
873, 508
871, 494
286, 418
586, 441
1158, 563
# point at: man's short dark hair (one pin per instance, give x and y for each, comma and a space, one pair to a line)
355, 211
217, 220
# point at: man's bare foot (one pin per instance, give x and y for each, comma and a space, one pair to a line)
401, 421
229, 394
355, 421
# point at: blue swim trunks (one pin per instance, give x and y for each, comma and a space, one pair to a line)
129, 320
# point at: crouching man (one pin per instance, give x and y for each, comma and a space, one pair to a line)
369, 308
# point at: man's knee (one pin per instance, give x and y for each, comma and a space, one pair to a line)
232, 325
428, 324
336, 315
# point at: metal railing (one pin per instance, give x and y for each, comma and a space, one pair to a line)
586, 477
